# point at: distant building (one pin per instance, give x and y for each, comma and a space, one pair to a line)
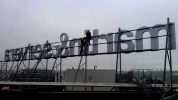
159, 75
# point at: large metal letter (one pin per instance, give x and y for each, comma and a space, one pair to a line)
7, 56
172, 37
72, 46
130, 44
95, 42
153, 35
109, 41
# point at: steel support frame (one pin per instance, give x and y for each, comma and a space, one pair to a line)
167, 57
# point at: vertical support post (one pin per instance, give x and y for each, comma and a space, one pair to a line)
16, 72
165, 61
86, 49
10, 71
170, 47
150, 74
28, 69
46, 64
75, 78
47, 73
143, 76
55, 65
29, 64
57, 78
1, 69
60, 69
29, 55
167, 54
57, 74
6, 71
120, 62
118, 48
138, 75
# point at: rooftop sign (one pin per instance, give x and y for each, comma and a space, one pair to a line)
72, 47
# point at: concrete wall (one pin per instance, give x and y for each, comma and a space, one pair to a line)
57, 76
93, 76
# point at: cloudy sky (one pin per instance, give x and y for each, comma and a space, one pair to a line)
35, 21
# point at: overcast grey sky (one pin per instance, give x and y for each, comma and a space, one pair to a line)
35, 21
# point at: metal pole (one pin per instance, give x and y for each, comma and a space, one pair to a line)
10, 71
86, 49
28, 64
143, 75
165, 58
47, 72
29, 54
16, 72
150, 74
6, 70
60, 69
120, 62
138, 76
170, 47
118, 48
46, 64
1, 69
55, 64
75, 78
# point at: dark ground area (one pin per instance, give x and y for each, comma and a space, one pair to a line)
69, 96
35, 94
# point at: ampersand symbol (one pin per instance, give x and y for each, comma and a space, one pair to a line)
64, 39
